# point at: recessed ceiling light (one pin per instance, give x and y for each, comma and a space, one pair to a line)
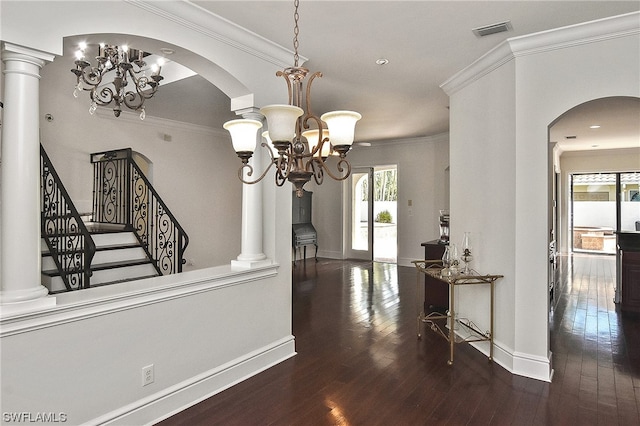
595, 126
167, 51
382, 61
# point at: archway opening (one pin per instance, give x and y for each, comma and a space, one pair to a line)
594, 148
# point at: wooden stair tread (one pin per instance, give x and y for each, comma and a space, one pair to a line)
118, 246
109, 247
104, 228
120, 264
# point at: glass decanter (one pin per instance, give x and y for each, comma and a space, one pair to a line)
450, 260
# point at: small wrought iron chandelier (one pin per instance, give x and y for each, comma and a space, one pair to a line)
129, 67
296, 140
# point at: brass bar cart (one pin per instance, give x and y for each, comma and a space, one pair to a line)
435, 269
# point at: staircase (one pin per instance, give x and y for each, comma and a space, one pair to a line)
134, 234
119, 257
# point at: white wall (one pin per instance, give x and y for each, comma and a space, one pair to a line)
483, 190
202, 331
421, 178
506, 101
603, 214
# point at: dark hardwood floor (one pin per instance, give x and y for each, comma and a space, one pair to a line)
359, 362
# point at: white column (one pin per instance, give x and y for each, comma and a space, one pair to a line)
252, 253
20, 237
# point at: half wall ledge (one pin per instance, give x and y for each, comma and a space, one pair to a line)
83, 304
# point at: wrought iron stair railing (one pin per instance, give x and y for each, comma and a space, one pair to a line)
69, 242
123, 195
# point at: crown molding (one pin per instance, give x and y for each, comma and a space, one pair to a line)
198, 19
420, 140
578, 34
633, 151
157, 122
558, 38
489, 62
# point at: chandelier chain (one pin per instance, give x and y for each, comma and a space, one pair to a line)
296, 31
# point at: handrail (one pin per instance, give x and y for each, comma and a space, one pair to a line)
66, 235
123, 195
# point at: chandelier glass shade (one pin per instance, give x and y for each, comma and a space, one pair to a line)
133, 80
243, 136
297, 140
313, 137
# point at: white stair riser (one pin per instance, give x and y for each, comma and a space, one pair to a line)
127, 273
110, 239
107, 256
48, 264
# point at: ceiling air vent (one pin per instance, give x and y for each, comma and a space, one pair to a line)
500, 27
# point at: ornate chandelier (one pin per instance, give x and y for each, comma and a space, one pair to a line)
131, 85
296, 140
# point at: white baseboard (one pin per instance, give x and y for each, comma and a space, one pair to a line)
174, 399
330, 254
403, 261
521, 364
535, 367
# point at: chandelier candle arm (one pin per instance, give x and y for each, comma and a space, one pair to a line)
273, 149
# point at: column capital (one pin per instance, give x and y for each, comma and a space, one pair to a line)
252, 113
12, 51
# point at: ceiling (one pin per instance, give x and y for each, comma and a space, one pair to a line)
425, 42
609, 123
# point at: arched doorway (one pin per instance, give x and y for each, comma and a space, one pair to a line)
594, 168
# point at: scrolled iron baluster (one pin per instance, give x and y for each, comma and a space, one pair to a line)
69, 242
142, 209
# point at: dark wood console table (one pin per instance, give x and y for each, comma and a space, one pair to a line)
434, 269
629, 248
436, 292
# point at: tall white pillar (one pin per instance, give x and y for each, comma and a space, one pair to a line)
20, 237
252, 253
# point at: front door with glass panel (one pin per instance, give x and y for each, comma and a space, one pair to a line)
360, 221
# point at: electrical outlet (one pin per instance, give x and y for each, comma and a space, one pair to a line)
147, 375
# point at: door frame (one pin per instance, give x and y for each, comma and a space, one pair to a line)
349, 251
